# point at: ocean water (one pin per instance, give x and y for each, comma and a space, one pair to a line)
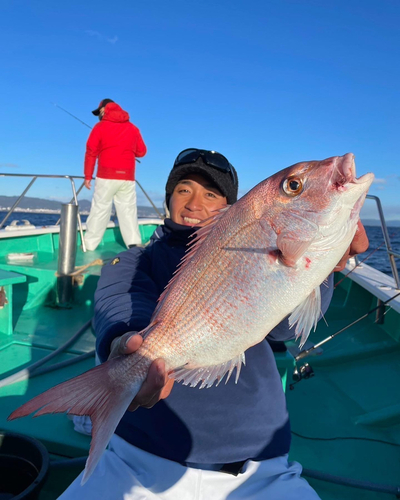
37, 219
375, 256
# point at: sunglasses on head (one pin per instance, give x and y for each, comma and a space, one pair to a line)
210, 158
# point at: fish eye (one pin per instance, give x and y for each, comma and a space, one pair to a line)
292, 186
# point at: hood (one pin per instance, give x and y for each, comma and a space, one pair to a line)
114, 113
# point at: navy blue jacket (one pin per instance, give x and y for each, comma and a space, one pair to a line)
218, 425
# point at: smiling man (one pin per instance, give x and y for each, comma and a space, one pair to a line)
201, 182
181, 442
195, 200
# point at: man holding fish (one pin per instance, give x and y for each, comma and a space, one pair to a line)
230, 440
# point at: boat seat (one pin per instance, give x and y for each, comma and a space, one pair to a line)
7, 280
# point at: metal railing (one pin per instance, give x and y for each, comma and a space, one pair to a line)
391, 254
73, 200
33, 179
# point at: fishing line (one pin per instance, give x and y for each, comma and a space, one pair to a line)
339, 438
137, 182
344, 277
306, 353
73, 116
79, 120
359, 263
364, 259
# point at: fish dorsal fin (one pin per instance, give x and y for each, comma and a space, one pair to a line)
207, 375
306, 315
197, 239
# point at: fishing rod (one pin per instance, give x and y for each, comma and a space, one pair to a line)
138, 183
79, 120
307, 352
306, 371
70, 114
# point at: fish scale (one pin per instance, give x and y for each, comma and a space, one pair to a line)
254, 264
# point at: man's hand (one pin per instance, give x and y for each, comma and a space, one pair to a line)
157, 384
87, 183
359, 244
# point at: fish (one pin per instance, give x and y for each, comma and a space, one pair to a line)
257, 262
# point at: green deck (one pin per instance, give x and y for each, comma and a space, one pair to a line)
342, 413
38, 328
356, 377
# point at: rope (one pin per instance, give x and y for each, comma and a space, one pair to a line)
80, 269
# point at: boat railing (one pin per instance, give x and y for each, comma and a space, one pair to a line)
391, 254
74, 199
33, 178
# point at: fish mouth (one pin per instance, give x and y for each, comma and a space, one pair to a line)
344, 172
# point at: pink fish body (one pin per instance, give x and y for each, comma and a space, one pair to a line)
259, 261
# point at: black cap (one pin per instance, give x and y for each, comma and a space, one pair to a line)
222, 180
96, 112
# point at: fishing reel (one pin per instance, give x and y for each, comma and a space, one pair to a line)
301, 373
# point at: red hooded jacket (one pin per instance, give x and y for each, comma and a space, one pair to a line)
116, 142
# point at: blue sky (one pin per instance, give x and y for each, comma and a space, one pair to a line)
266, 83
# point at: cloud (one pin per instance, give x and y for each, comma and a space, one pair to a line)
370, 211
380, 183
9, 165
99, 36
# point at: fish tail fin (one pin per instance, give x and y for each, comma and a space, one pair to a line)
104, 423
94, 393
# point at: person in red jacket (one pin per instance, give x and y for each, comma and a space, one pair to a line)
115, 143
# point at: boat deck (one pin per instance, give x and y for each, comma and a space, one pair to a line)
344, 419
39, 326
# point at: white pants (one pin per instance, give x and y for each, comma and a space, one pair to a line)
128, 473
124, 195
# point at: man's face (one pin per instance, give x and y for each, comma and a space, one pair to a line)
194, 200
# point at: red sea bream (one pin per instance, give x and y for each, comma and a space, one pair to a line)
257, 262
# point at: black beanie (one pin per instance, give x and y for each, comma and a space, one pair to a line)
222, 180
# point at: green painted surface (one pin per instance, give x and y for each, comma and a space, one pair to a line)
356, 374
8, 280
55, 431
345, 419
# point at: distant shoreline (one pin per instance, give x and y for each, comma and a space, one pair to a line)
150, 212
38, 210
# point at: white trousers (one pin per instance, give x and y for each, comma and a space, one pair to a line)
123, 193
128, 473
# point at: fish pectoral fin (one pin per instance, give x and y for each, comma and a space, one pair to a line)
291, 248
306, 315
295, 234
208, 374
